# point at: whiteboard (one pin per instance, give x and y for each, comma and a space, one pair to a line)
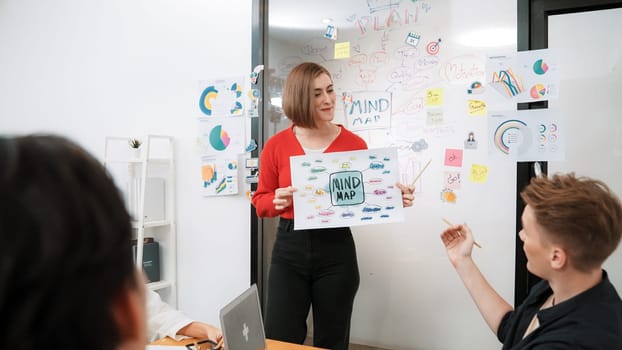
409, 296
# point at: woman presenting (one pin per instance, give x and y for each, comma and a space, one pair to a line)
309, 267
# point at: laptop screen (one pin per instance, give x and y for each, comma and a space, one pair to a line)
241, 322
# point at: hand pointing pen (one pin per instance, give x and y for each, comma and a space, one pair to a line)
460, 234
408, 191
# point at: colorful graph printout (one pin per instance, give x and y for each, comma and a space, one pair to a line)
221, 136
525, 76
221, 98
527, 135
219, 176
346, 188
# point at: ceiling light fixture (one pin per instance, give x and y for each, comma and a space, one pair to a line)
488, 38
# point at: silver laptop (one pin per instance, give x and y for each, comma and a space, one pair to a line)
241, 322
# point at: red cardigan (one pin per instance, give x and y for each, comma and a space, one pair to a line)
274, 170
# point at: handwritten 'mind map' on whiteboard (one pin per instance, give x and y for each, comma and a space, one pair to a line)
368, 110
346, 188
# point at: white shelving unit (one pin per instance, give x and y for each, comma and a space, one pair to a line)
147, 181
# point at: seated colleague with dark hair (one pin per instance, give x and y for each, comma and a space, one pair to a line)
67, 276
570, 227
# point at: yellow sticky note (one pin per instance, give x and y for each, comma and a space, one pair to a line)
479, 173
434, 97
342, 50
477, 108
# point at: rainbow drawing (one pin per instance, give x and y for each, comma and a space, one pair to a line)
209, 94
506, 133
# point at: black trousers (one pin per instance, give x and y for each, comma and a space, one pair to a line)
315, 268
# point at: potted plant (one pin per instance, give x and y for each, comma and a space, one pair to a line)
135, 145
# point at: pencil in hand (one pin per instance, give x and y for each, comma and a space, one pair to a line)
420, 173
460, 233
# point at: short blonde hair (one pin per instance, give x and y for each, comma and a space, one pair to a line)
298, 93
580, 213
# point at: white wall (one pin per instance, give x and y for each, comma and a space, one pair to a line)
86, 69
589, 101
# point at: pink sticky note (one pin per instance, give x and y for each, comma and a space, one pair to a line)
453, 157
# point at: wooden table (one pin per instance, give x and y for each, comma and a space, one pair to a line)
271, 344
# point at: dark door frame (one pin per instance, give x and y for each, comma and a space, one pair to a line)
258, 57
532, 35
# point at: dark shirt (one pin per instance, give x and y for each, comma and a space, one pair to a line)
590, 320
